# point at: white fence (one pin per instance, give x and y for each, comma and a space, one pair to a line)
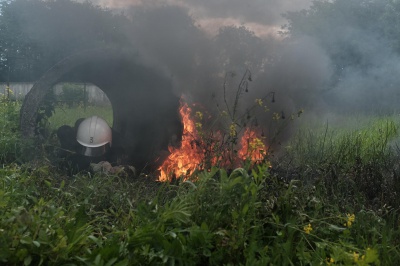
18, 90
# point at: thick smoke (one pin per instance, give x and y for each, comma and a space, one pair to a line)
372, 85
296, 71
301, 73
167, 38
208, 70
267, 12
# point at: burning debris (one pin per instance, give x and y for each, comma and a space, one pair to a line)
189, 156
196, 146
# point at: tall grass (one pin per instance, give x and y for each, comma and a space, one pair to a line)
356, 166
343, 146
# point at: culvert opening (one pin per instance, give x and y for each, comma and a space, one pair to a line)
145, 111
74, 101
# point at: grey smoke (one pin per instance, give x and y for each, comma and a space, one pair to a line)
258, 11
297, 69
167, 38
372, 85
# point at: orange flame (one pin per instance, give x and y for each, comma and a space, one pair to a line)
190, 155
252, 146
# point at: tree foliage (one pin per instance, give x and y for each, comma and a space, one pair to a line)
240, 47
34, 35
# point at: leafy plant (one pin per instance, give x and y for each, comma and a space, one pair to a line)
73, 95
13, 148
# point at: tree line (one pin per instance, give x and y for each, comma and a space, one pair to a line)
359, 40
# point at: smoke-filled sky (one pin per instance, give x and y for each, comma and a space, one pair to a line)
187, 40
264, 17
335, 61
342, 56
196, 61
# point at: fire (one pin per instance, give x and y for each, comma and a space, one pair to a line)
252, 146
191, 154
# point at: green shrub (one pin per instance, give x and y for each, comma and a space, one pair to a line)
13, 148
72, 95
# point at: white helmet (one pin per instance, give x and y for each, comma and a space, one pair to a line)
94, 135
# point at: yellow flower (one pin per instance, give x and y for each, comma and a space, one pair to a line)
199, 125
256, 143
307, 228
276, 116
199, 115
9, 90
259, 102
330, 261
355, 256
350, 220
232, 130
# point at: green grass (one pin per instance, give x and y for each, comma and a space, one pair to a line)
64, 115
329, 198
344, 144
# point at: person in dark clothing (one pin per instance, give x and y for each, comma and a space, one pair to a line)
89, 141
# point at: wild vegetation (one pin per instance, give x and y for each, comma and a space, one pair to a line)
329, 195
329, 198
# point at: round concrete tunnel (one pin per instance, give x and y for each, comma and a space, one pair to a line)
145, 109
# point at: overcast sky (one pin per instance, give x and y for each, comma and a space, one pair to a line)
261, 16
